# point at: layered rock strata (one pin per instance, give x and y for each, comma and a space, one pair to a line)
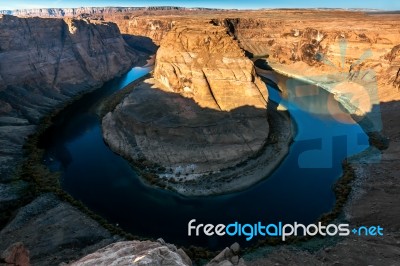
43, 64
332, 49
202, 62
204, 112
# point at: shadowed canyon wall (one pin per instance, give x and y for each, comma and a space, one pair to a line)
44, 63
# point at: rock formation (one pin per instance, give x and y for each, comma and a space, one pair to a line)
154, 253
202, 62
228, 257
45, 62
206, 109
65, 234
139, 253
16, 254
52, 231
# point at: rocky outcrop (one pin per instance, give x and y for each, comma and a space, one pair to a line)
393, 57
16, 254
53, 231
45, 62
202, 62
136, 253
228, 257
204, 111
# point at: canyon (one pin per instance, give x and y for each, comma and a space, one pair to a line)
213, 116
325, 48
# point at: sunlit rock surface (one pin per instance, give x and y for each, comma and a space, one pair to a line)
201, 61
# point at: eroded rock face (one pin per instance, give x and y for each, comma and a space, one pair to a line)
203, 62
326, 47
45, 62
394, 60
204, 110
139, 253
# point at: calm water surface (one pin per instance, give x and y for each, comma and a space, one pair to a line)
300, 189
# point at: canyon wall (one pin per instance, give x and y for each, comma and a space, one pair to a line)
154, 28
153, 22
326, 47
45, 62
95, 11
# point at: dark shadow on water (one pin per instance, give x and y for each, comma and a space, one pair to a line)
140, 43
263, 64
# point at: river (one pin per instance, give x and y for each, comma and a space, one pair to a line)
300, 189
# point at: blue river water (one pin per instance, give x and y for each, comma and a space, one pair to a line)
300, 189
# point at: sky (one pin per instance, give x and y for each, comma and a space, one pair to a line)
375, 4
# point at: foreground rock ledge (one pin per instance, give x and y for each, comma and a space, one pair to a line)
137, 253
201, 117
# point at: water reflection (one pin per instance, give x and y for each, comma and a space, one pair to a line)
323, 124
